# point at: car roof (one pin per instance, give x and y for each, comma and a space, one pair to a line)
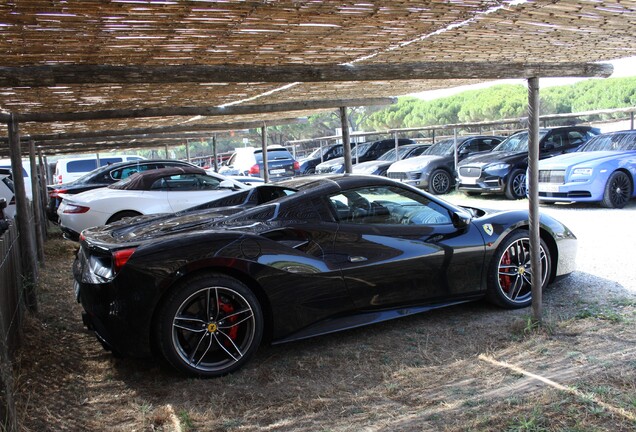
144, 180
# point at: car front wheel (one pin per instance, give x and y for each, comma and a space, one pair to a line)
618, 190
209, 325
440, 182
516, 187
510, 272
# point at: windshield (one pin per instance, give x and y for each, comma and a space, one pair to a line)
442, 148
614, 142
517, 142
360, 149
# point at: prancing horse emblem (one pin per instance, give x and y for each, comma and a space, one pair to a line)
488, 229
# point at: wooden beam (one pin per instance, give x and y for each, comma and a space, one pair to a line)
196, 111
69, 74
195, 129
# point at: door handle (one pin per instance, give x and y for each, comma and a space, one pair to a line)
356, 259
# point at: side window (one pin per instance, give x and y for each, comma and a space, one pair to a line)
471, 146
338, 152
488, 144
555, 141
203, 182
576, 138
387, 205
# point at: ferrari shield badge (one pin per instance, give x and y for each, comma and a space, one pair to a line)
488, 229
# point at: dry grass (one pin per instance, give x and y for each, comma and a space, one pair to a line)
471, 367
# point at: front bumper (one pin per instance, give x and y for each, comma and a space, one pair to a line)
572, 192
485, 185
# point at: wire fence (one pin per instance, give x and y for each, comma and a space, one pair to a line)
11, 316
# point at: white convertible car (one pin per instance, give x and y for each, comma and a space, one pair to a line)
165, 190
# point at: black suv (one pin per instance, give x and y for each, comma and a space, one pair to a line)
362, 152
308, 164
503, 170
102, 177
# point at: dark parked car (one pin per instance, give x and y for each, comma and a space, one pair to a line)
321, 154
434, 170
302, 258
381, 164
102, 177
503, 171
362, 152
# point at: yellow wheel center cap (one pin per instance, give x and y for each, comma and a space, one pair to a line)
212, 327
521, 270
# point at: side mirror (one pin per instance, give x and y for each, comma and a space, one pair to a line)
227, 184
461, 219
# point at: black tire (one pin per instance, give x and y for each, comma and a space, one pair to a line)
618, 190
510, 272
209, 325
122, 214
516, 187
440, 182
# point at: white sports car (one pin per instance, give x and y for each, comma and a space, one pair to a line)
165, 190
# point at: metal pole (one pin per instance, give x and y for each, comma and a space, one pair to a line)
322, 159
631, 115
22, 215
264, 147
533, 185
432, 136
346, 141
43, 190
455, 157
395, 135
187, 151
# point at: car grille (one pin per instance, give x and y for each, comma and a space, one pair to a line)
552, 176
397, 175
469, 171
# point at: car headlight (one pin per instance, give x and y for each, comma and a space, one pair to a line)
584, 172
497, 167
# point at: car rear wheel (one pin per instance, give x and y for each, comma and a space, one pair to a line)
440, 182
516, 187
122, 214
618, 190
209, 325
510, 272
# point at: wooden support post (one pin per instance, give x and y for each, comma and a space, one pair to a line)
38, 213
346, 141
265, 174
44, 174
214, 153
533, 185
22, 215
432, 136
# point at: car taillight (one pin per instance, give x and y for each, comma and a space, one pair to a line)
75, 209
55, 193
296, 166
255, 169
121, 257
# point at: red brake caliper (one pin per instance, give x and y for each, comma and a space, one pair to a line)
228, 309
504, 280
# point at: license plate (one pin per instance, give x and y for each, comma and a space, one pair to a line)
548, 187
277, 171
468, 180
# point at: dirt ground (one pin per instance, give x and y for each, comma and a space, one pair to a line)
468, 367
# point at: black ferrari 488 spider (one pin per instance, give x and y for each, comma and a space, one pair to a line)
305, 257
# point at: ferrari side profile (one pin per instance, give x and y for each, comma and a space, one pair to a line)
309, 256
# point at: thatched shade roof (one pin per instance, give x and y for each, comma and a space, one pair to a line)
269, 33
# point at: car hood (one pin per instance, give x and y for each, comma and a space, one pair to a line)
493, 157
331, 162
589, 158
363, 166
414, 163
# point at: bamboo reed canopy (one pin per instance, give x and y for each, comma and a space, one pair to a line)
120, 55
